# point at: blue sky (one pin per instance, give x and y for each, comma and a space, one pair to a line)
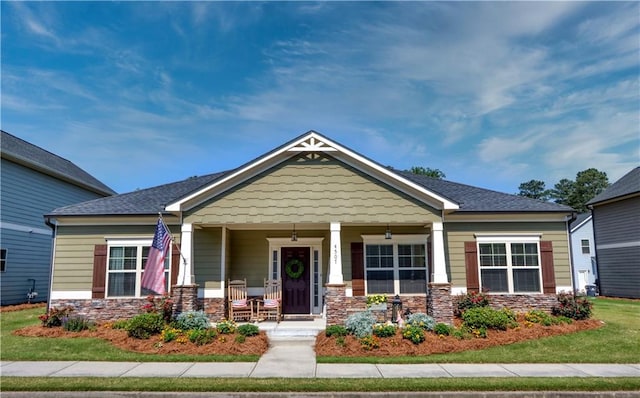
492, 93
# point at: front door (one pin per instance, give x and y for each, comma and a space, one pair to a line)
296, 281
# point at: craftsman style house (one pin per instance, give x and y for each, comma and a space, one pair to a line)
352, 226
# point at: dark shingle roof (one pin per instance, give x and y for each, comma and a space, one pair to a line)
474, 199
153, 200
580, 218
140, 202
627, 185
29, 155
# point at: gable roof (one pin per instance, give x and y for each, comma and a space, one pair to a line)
172, 197
312, 141
580, 220
31, 156
629, 184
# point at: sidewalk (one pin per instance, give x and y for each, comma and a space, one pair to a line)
283, 364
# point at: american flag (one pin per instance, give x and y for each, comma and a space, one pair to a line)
153, 276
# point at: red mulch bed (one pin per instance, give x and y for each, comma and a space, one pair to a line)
224, 344
433, 344
20, 307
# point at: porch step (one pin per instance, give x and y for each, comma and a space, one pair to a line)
289, 330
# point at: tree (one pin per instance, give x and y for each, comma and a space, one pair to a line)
587, 185
428, 171
534, 189
562, 191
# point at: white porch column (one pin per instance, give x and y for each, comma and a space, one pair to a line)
185, 273
335, 260
439, 274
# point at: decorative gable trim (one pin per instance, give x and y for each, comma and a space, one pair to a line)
311, 142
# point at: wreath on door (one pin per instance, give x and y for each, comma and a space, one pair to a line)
289, 268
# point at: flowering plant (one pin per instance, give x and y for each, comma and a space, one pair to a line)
376, 299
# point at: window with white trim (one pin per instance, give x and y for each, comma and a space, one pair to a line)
125, 265
510, 265
584, 243
396, 266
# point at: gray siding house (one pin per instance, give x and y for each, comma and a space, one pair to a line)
33, 182
616, 224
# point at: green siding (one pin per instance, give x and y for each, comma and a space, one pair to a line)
207, 254
312, 191
458, 233
75, 246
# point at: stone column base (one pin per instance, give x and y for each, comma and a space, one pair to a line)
185, 298
336, 304
439, 303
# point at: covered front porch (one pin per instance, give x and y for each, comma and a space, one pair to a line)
321, 265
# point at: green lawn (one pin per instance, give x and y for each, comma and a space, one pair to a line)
318, 385
17, 348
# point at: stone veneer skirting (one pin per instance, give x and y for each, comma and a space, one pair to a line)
103, 309
523, 302
185, 298
439, 304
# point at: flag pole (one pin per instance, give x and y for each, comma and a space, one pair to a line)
173, 240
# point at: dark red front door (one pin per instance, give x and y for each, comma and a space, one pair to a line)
295, 289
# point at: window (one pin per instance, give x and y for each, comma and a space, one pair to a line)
397, 267
3, 260
585, 246
510, 267
125, 266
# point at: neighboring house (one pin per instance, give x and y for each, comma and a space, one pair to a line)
34, 182
360, 228
583, 254
616, 227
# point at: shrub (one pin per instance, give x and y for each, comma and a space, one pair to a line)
442, 329
360, 324
541, 317
201, 336
573, 307
369, 342
384, 330
413, 333
421, 320
169, 334
159, 305
55, 316
120, 324
240, 339
226, 326
470, 300
336, 330
487, 317
77, 323
248, 330
191, 320
144, 325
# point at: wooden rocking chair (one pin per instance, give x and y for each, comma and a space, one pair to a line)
240, 307
270, 307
